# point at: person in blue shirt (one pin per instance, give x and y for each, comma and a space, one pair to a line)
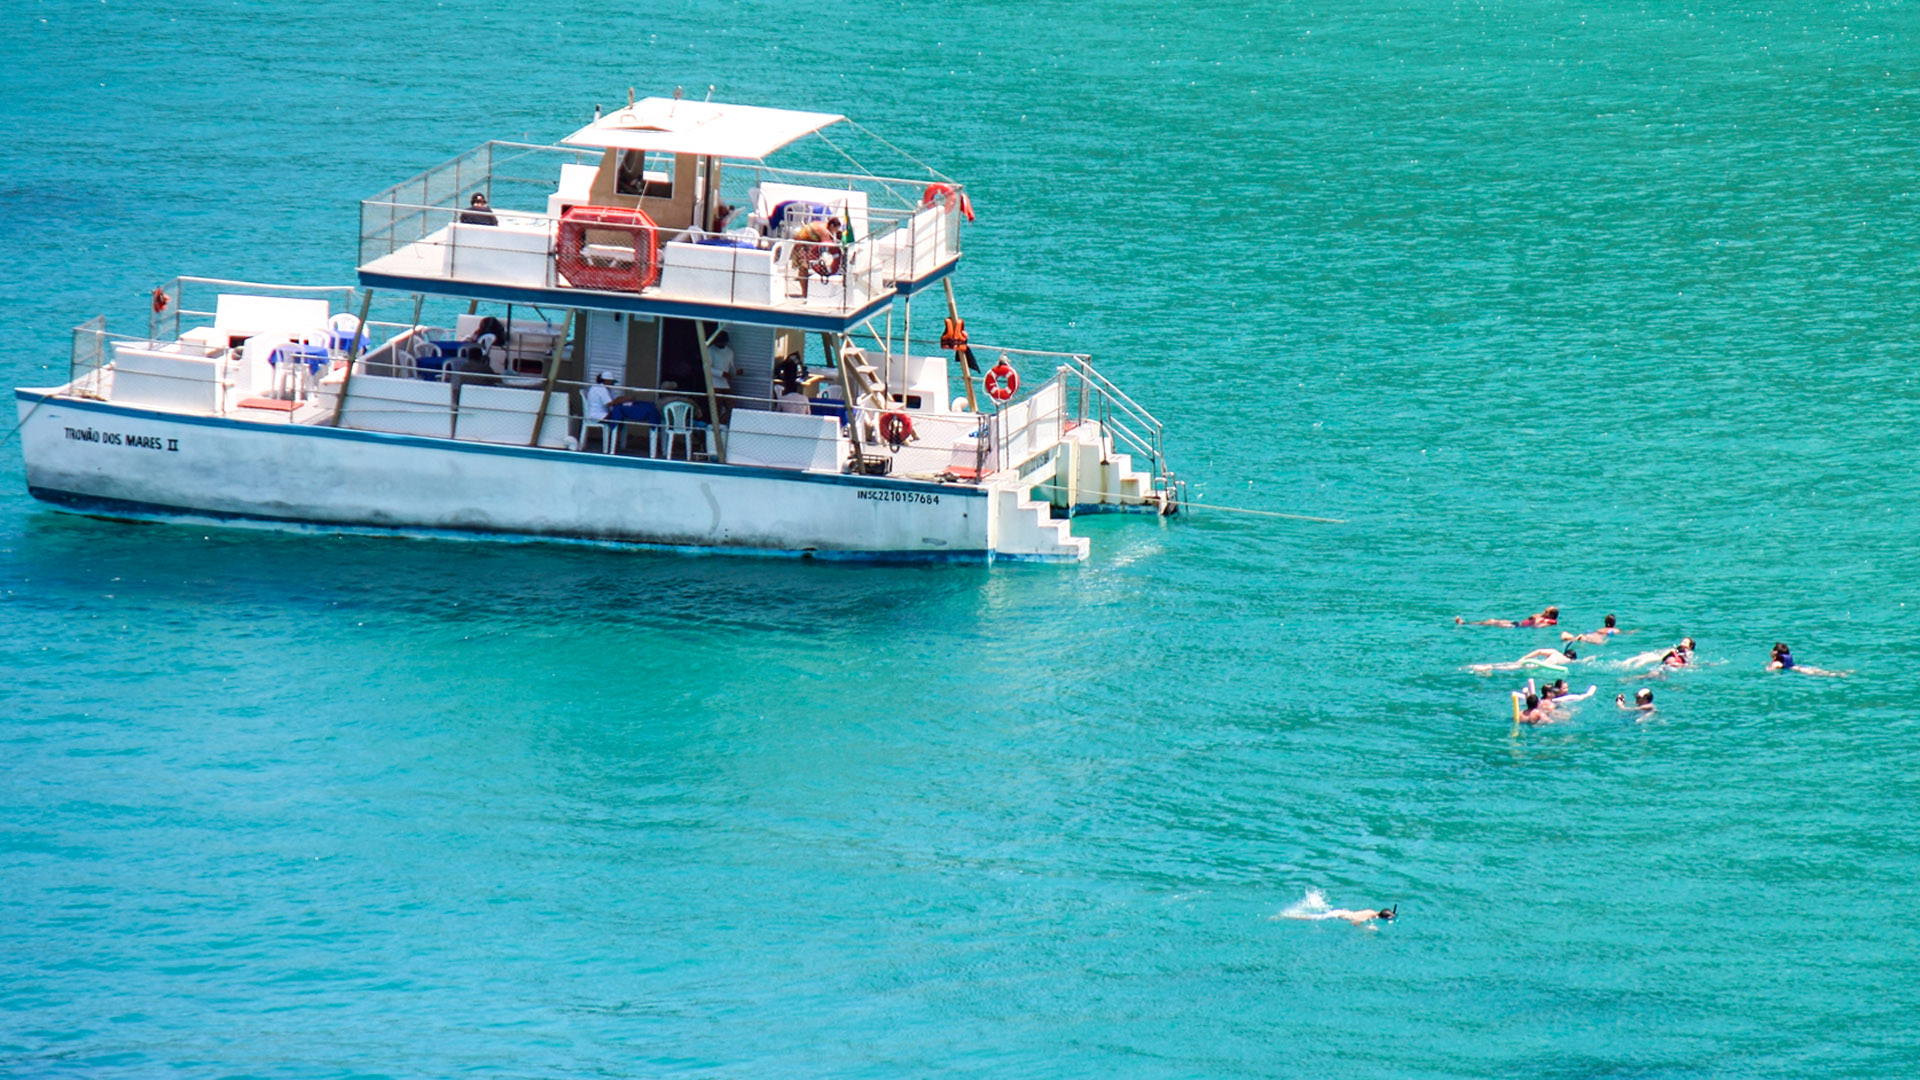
1594, 637
1783, 661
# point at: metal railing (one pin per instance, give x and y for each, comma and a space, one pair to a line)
507, 173
424, 227
87, 374
184, 292
394, 388
1035, 419
1091, 397
390, 393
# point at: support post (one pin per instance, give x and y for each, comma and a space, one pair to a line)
846, 395
553, 373
959, 357
353, 355
719, 447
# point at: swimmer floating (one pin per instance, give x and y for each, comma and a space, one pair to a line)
1783, 661
1548, 617
1314, 909
1557, 659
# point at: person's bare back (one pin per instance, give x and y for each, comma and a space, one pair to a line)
1549, 617
1594, 637
1313, 908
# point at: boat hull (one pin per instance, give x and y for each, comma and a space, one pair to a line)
125, 461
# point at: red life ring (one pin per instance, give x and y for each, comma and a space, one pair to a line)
948, 197
896, 428
1001, 381
159, 301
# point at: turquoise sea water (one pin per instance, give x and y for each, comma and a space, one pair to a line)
1552, 304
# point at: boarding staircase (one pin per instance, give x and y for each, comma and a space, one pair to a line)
1112, 452
1090, 467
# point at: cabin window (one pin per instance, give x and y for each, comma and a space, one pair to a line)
646, 173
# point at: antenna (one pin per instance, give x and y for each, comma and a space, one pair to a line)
709, 91
629, 97
596, 112
679, 92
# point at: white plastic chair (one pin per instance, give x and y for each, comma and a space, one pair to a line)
677, 418
342, 329
609, 434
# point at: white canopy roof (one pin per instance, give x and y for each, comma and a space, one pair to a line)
700, 127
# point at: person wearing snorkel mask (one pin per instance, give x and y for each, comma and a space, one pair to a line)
1549, 617
1548, 658
1594, 637
1361, 917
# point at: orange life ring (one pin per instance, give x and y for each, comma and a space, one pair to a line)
1001, 381
896, 428
948, 197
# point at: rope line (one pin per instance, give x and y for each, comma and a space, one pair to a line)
1261, 513
936, 173
23, 421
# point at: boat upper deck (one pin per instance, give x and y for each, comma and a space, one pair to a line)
666, 208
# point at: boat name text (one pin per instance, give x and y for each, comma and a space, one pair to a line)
117, 438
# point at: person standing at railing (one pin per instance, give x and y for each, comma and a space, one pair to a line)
721, 364
478, 212
721, 368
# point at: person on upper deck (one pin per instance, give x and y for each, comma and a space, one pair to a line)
817, 249
478, 212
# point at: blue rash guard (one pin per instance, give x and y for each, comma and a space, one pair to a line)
1786, 661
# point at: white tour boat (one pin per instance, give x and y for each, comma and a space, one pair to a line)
647, 335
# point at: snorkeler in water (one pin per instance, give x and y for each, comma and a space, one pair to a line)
1549, 617
1783, 661
1593, 637
1314, 909
1547, 658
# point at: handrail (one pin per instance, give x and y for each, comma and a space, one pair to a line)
488, 166
185, 279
